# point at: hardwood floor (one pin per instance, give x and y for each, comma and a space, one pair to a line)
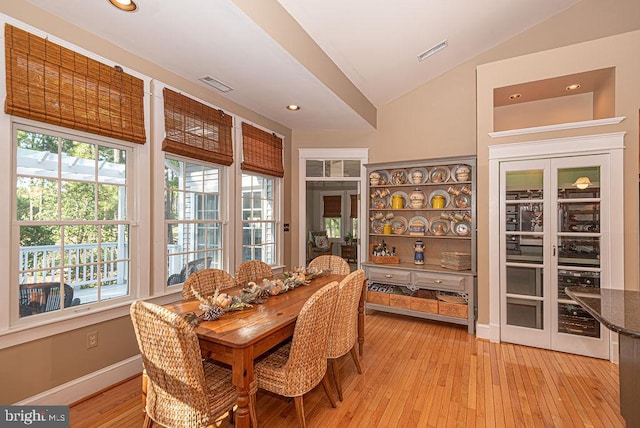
421, 373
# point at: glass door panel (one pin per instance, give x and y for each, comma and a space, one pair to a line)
525, 313
579, 239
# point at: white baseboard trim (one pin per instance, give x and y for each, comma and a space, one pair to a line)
488, 332
84, 386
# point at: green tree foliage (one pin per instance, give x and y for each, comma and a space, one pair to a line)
37, 198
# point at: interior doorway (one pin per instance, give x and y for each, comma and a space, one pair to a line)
331, 205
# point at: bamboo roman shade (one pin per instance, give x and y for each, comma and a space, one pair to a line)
354, 206
196, 130
262, 152
332, 206
52, 84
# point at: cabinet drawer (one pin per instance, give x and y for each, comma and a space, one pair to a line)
389, 276
400, 301
378, 298
456, 310
424, 305
444, 282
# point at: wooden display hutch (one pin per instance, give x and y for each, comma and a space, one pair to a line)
432, 201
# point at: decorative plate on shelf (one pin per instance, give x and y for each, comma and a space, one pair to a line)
418, 176
405, 199
462, 201
380, 203
418, 226
384, 178
439, 226
440, 174
461, 173
461, 229
377, 226
445, 195
399, 225
399, 176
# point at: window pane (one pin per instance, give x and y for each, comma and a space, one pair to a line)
191, 194
37, 199
111, 202
78, 200
112, 165
78, 161
258, 227
352, 168
314, 168
77, 191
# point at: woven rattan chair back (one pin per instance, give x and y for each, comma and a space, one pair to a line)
177, 394
344, 330
253, 270
205, 282
307, 362
333, 264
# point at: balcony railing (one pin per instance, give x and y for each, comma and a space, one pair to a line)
42, 264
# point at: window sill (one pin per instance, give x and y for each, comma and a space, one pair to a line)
23, 333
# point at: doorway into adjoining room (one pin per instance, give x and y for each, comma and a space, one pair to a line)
330, 220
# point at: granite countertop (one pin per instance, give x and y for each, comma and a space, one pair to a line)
618, 310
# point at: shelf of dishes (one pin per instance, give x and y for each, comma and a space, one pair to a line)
456, 224
418, 176
455, 197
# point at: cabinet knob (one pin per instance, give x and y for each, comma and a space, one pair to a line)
438, 281
388, 276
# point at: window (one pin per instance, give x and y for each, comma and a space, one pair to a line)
192, 218
258, 218
74, 221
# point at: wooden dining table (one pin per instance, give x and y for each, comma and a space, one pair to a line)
238, 337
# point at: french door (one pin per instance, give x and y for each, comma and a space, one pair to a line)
554, 232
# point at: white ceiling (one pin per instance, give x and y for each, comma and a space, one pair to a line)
375, 43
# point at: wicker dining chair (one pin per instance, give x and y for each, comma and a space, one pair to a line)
297, 367
344, 329
205, 282
332, 264
253, 270
181, 389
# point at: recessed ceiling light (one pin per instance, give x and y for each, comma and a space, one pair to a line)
573, 87
126, 5
514, 96
293, 107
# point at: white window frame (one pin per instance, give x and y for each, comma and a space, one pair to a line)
159, 287
277, 182
140, 189
278, 186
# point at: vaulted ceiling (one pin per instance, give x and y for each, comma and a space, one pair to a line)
338, 59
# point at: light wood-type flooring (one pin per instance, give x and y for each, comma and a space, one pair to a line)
420, 373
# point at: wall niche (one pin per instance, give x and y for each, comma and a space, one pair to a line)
572, 98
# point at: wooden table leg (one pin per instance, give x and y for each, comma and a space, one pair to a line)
361, 318
242, 378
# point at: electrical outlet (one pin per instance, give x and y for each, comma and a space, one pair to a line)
92, 339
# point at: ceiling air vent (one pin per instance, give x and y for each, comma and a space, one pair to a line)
437, 48
216, 84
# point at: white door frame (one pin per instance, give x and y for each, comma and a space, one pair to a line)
612, 144
328, 154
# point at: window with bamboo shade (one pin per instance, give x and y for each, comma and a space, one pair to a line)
354, 206
195, 130
261, 151
332, 206
50, 83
